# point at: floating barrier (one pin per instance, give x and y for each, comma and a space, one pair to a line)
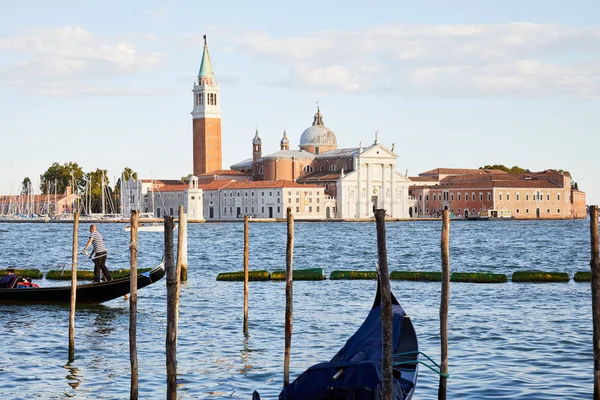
310, 274
478, 277
420, 276
257, 275
26, 273
583, 276
540, 276
337, 275
86, 275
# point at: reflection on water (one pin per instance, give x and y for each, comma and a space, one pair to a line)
245, 355
73, 377
505, 341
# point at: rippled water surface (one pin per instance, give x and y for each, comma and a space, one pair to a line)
526, 341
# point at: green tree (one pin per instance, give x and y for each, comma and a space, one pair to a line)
68, 174
96, 181
187, 177
514, 170
26, 186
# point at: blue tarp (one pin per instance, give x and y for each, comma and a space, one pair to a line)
360, 358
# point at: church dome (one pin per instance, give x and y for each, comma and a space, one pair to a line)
318, 134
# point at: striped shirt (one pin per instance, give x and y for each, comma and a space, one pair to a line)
97, 242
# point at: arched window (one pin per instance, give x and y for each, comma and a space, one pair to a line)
260, 170
332, 167
308, 168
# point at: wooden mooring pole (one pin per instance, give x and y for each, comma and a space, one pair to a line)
246, 245
73, 287
171, 340
133, 249
595, 266
182, 263
289, 295
444, 304
386, 308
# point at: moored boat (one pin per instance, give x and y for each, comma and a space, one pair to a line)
154, 227
355, 372
89, 293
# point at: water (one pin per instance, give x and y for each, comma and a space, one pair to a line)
527, 341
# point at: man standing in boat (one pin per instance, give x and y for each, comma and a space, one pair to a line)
99, 253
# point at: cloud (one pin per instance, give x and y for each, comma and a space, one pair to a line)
71, 60
517, 59
158, 15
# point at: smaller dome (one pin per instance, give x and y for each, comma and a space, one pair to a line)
256, 139
285, 139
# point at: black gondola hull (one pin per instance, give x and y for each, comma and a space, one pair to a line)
90, 293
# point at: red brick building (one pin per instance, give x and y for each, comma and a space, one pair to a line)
471, 193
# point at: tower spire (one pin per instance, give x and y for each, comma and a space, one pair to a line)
206, 70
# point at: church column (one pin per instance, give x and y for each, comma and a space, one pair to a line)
369, 184
358, 199
383, 198
393, 191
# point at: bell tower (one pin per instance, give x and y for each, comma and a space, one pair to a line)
206, 119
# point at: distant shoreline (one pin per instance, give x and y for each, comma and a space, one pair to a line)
267, 220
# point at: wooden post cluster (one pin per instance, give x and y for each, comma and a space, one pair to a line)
133, 249
386, 308
595, 267
289, 295
172, 283
444, 304
246, 245
182, 263
73, 287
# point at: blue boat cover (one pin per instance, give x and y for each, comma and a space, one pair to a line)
360, 359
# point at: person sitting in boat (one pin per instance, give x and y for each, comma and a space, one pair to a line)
26, 283
99, 253
11, 279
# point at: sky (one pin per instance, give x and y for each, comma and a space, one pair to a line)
460, 84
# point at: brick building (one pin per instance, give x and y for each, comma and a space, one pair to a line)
471, 193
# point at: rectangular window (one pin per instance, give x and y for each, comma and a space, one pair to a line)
558, 197
252, 210
231, 210
297, 209
518, 196
527, 211
459, 198
499, 196
473, 196
548, 211
278, 209
558, 211
548, 198
262, 210
289, 199
225, 210
420, 197
310, 209
452, 196
507, 196
318, 200
270, 193
297, 200
193, 198
319, 209
427, 198
246, 210
289, 193
526, 196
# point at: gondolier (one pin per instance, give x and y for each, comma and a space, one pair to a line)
99, 253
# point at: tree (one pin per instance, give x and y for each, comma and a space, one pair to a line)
26, 186
126, 175
97, 180
514, 170
68, 174
187, 177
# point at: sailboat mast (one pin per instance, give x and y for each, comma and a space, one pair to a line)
102, 185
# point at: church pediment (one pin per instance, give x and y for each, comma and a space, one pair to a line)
378, 151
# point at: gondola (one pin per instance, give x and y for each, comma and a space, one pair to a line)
356, 370
89, 293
